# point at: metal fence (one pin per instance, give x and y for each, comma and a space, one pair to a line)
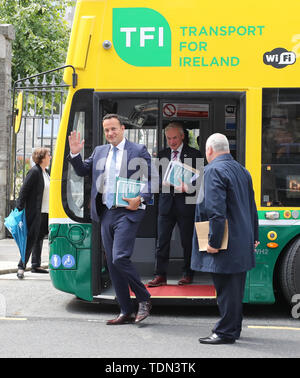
43, 100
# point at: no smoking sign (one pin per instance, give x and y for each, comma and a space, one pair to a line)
169, 110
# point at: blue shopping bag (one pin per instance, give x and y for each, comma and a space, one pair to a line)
16, 225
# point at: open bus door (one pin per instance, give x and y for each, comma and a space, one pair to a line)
145, 115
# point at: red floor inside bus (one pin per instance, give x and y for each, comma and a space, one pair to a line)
182, 291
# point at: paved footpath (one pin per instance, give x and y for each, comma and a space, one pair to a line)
10, 255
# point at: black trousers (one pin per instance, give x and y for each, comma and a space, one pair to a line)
35, 244
230, 292
166, 224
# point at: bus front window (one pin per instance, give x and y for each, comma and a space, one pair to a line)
281, 147
75, 184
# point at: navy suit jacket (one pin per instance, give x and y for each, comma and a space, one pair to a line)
136, 164
227, 194
166, 200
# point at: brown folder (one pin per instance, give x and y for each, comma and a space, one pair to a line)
202, 230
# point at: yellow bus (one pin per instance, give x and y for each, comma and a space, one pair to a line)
221, 66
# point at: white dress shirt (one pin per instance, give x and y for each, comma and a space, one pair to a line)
119, 157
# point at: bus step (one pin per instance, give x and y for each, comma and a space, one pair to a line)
184, 291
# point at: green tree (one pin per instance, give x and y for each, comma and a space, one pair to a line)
42, 34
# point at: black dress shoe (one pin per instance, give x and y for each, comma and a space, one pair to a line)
214, 339
121, 319
39, 270
144, 311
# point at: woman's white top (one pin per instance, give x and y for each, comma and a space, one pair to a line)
45, 201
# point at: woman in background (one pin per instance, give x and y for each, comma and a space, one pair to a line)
34, 197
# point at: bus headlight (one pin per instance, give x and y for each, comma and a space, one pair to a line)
272, 215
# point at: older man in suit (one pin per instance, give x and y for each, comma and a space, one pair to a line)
227, 194
174, 207
119, 225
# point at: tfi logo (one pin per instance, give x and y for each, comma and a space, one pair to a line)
279, 58
142, 37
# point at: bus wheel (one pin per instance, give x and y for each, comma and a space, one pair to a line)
290, 271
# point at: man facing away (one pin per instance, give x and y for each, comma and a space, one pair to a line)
174, 208
119, 225
227, 194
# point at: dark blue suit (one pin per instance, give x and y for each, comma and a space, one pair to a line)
227, 194
118, 225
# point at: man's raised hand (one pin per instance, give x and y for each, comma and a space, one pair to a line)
74, 142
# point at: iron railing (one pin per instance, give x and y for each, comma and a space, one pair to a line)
44, 96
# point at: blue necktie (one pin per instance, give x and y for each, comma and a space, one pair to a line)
111, 180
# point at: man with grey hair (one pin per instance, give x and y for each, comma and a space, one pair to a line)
227, 195
218, 143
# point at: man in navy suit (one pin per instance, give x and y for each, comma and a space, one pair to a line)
175, 206
227, 194
119, 225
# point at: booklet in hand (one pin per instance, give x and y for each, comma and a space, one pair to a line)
127, 188
178, 172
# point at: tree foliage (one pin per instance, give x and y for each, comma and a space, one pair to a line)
42, 34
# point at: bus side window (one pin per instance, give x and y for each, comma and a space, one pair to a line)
280, 147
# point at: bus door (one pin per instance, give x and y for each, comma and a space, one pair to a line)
145, 115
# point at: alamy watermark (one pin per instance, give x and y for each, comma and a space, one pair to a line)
296, 308
159, 175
